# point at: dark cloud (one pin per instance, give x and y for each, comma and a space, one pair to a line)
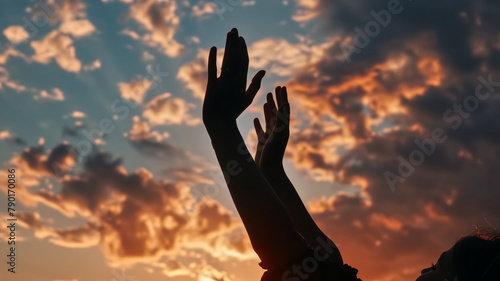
159, 150
131, 214
409, 81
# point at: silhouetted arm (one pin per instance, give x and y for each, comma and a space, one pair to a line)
269, 157
271, 232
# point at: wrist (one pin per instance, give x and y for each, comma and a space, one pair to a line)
216, 126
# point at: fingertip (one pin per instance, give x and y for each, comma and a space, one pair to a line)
261, 74
285, 95
242, 41
258, 76
213, 52
212, 64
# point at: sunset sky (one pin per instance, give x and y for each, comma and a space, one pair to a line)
394, 144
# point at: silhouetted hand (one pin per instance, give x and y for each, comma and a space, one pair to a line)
226, 97
272, 142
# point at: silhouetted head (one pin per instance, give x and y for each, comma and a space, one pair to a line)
473, 258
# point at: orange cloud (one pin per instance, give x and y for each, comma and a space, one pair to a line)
54, 94
77, 114
135, 90
70, 14
203, 10
167, 110
6, 81
16, 34
306, 10
131, 216
5, 135
58, 47
389, 223
141, 131
194, 74
159, 20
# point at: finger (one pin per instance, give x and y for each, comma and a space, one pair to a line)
267, 115
258, 128
212, 65
277, 92
283, 118
231, 51
284, 95
279, 100
254, 86
243, 56
271, 103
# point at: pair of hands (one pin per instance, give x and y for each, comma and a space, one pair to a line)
226, 98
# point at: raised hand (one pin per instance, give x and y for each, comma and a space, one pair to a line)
272, 142
271, 231
226, 97
269, 158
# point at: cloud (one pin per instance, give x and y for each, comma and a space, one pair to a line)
146, 56
211, 217
356, 121
77, 114
70, 15
5, 81
129, 215
167, 110
160, 22
54, 94
283, 58
248, 3
140, 131
16, 34
306, 10
10, 51
203, 10
77, 237
155, 145
58, 47
135, 90
194, 74
276, 55
5, 135
92, 66
77, 28
38, 166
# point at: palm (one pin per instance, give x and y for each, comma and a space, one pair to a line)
225, 97
272, 142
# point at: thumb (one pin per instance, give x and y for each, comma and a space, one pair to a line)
254, 86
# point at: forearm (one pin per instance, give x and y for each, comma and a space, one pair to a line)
303, 221
263, 214
291, 199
